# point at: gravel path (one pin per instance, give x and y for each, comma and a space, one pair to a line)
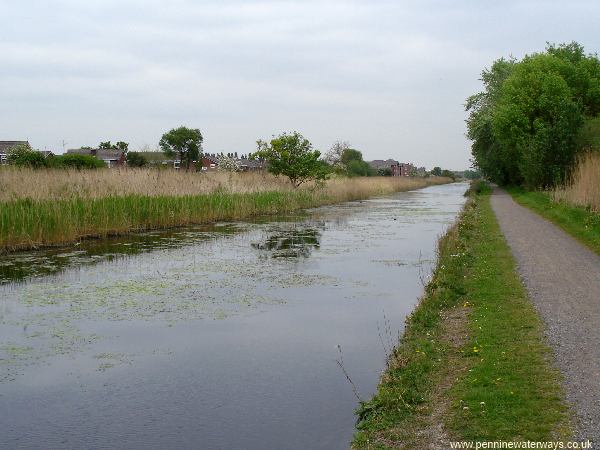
563, 280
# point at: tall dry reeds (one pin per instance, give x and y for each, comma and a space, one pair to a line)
40, 208
584, 187
57, 184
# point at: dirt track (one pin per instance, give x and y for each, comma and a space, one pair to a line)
563, 280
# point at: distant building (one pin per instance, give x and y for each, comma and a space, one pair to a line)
396, 169
5, 146
111, 157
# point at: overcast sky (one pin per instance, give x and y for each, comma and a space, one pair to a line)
391, 77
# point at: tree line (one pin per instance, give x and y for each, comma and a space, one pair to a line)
534, 115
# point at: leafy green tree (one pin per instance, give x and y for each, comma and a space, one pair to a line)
136, 159
183, 142
349, 154
105, 145
292, 155
352, 161
436, 171
22, 155
526, 125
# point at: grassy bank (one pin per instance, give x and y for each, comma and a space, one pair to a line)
472, 364
580, 222
41, 208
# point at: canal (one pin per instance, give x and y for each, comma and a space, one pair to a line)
229, 336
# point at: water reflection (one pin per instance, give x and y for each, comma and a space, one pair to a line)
20, 267
291, 242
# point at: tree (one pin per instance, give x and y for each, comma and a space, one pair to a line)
448, 174
436, 171
526, 125
136, 159
123, 146
228, 163
23, 155
352, 161
183, 142
334, 155
292, 155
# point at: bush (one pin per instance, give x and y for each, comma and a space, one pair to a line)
69, 160
23, 155
135, 159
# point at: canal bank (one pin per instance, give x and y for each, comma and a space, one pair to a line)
473, 364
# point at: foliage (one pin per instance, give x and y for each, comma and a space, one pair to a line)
292, 155
183, 142
136, 159
228, 163
354, 165
334, 155
436, 171
22, 155
123, 146
525, 125
471, 174
448, 174
70, 160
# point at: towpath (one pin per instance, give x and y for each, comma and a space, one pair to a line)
562, 277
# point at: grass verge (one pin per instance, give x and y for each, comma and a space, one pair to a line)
581, 223
472, 364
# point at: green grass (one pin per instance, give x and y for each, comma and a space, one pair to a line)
503, 363
581, 223
511, 371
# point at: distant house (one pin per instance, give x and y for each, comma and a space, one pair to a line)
251, 165
397, 169
209, 161
5, 146
111, 157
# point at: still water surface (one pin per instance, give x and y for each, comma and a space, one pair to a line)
220, 337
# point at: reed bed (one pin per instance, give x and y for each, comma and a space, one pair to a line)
584, 186
43, 208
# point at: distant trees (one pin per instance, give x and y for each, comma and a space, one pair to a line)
292, 155
136, 159
525, 124
183, 142
436, 171
334, 155
448, 174
353, 162
121, 145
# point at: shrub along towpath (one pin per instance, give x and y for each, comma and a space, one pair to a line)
562, 278
473, 363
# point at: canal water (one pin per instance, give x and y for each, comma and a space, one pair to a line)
230, 336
